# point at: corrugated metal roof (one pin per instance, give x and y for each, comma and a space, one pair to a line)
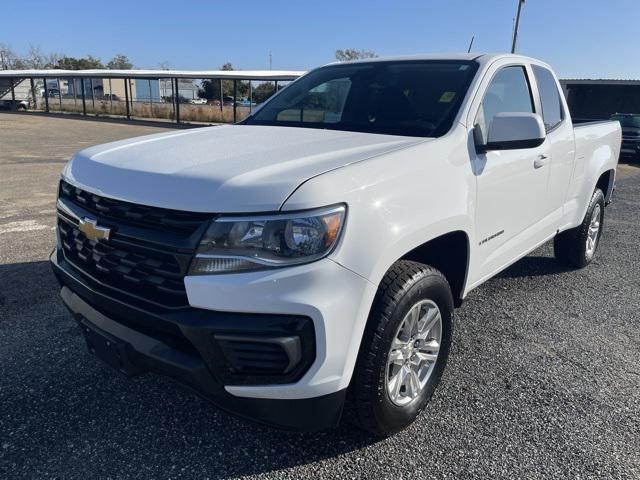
233, 74
249, 74
600, 81
103, 73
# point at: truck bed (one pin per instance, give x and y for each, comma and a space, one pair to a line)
592, 137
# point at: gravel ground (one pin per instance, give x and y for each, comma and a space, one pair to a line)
543, 379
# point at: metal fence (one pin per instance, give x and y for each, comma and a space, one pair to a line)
168, 95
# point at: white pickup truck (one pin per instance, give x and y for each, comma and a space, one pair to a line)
308, 261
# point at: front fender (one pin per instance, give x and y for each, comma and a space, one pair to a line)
396, 202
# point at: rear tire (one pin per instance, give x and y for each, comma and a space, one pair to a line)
404, 349
577, 247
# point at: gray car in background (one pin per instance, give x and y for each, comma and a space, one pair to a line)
630, 123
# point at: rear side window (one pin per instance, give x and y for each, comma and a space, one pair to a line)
508, 92
549, 97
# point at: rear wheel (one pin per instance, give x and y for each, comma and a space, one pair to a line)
404, 349
577, 247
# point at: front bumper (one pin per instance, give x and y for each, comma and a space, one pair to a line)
175, 343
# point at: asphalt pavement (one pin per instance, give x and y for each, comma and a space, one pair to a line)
543, 379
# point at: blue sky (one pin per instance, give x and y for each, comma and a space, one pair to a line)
580, 38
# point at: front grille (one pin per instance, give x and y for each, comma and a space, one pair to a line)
151, 274
162, 219
147, 254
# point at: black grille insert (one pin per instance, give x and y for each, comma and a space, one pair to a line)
260, 356
162, 219
151, 274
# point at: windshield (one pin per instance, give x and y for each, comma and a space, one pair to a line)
414, 98
627, 120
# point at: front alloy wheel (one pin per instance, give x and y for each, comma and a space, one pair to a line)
404, 349
414, 352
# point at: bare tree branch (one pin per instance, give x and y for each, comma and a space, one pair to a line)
353, 54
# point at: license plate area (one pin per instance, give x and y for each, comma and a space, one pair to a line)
109, 349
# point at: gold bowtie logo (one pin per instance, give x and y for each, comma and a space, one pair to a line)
92, 230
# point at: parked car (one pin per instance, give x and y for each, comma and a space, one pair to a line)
111, 96
19, 105
630, 123
198, 101
294, 267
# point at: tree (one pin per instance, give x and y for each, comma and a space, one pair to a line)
263, 91
211, 89
85, 63
8, 59
34, 59
119, 62
227, 85
353, 54
37, 59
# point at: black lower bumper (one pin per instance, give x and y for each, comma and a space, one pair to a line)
181, 345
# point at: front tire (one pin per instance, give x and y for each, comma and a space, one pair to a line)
577, 247
404, 349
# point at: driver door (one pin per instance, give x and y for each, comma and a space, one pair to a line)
511, 184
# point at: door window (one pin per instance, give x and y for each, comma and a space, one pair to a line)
508, 92
549, 97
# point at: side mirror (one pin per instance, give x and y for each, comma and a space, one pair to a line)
511, 131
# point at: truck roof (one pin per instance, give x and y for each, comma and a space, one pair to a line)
480, 57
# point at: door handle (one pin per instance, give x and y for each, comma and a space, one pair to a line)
541, 161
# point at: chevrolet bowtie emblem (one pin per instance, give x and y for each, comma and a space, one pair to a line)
92, 230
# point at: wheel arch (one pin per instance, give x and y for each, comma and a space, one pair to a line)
606, 183
448, 253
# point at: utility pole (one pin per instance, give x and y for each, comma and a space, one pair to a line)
515, 30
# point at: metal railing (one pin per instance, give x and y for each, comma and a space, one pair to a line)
150, 94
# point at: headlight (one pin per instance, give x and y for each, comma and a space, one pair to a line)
238, 244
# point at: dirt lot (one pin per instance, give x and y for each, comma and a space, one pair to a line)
543, 379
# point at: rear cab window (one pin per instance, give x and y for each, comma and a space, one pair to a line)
552, 111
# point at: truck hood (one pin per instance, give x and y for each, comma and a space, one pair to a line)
237, 168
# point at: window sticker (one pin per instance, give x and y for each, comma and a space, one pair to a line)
447, 97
